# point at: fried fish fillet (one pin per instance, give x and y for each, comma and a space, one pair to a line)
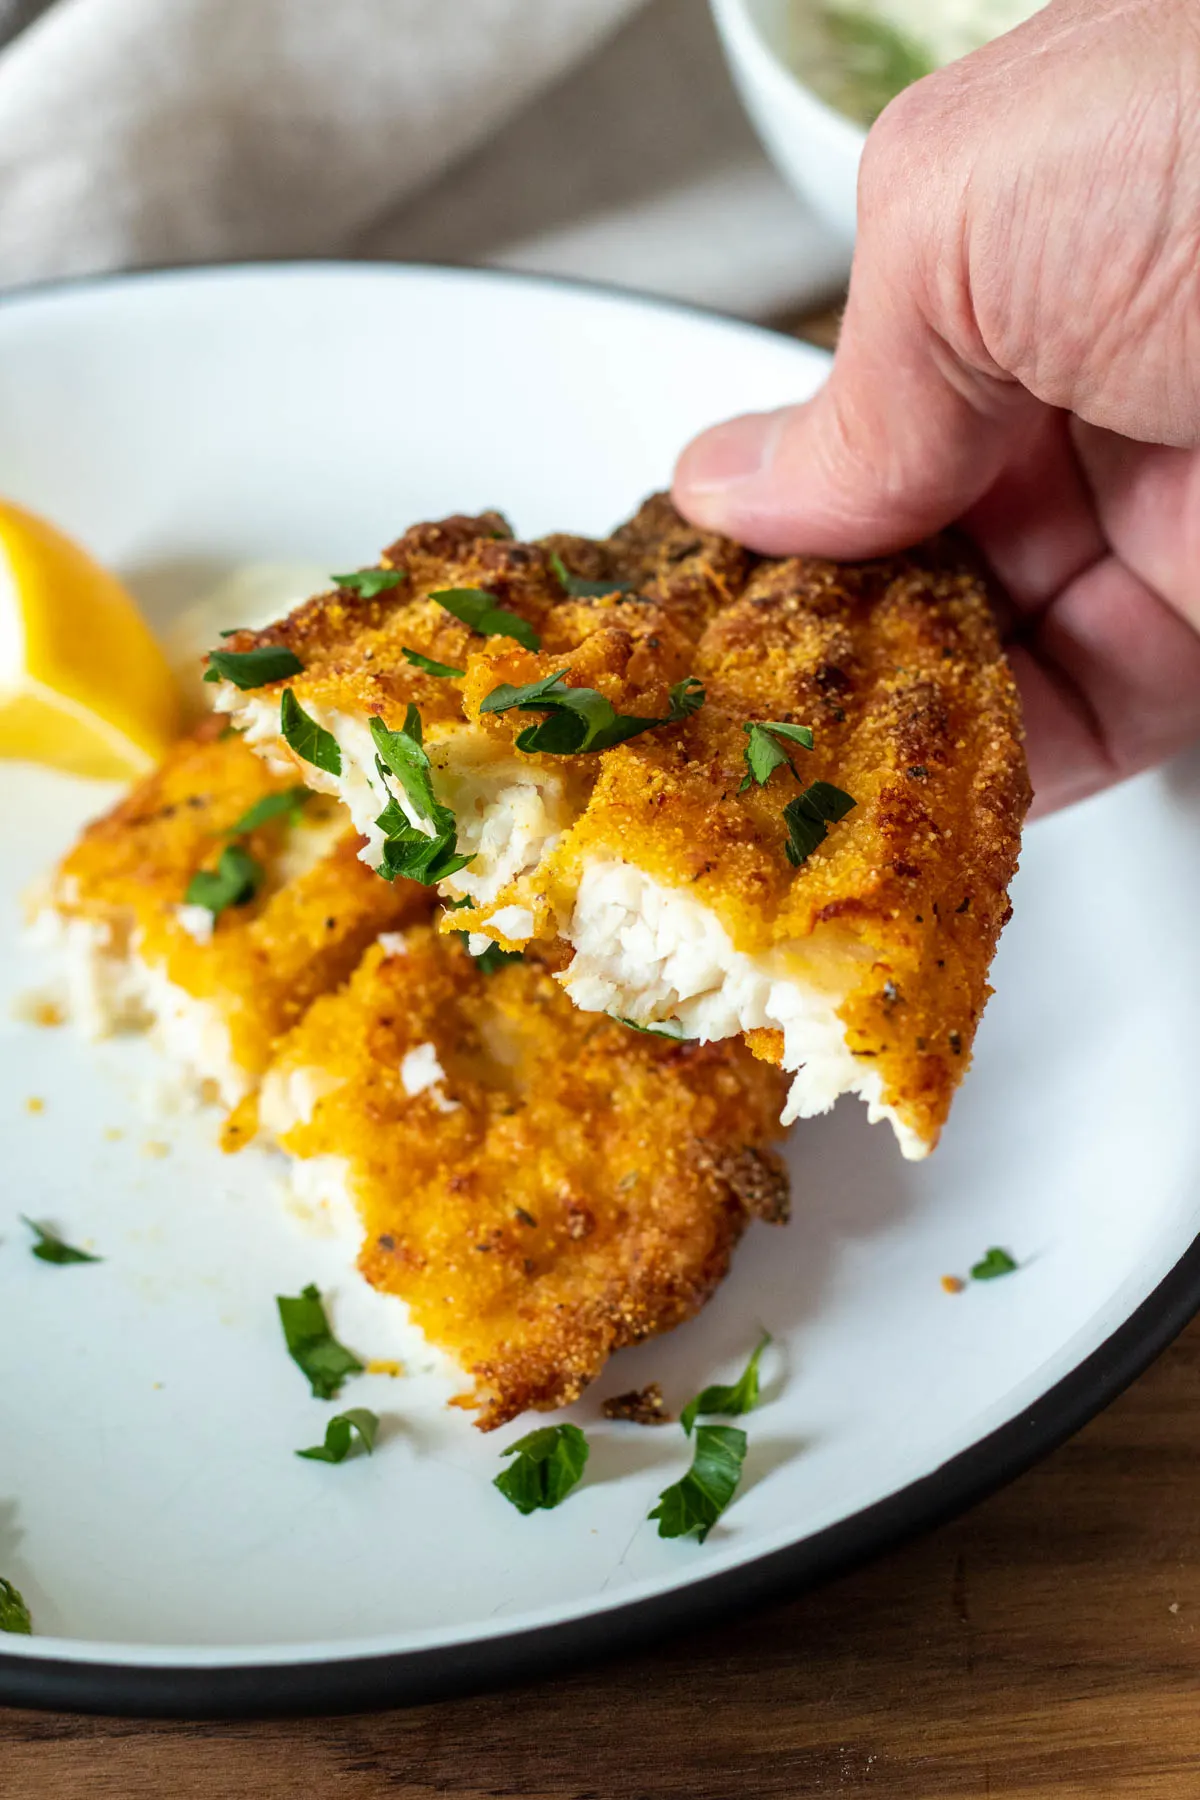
218, 989
851, 948
540, 1186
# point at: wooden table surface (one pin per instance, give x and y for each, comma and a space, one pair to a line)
1044, 1646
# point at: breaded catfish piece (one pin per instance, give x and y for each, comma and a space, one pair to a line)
837, 905
541, 1186
218, 987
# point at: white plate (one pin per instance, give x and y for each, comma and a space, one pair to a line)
175, 1553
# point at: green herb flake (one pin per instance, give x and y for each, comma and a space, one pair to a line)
580, 718
366, 583
578, 588
995, 1262
548, 1464
686, 697
728, 1402
234, 882
340, 1433
764, 754
312, 1346
311, 742
493, 958
696, 1502
427, 665
425, 856
478, 609
253, 668
14, 1614
809, 816
403, 754
412, 855
51, 1248
662, 1030
287, 805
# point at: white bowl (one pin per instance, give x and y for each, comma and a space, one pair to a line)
815, 148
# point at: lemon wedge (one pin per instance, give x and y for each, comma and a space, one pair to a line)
83, 685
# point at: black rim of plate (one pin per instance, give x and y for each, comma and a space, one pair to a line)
408, 1678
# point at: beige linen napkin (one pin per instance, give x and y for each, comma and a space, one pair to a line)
594, 138
153, 131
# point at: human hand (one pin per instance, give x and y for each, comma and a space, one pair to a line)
1021, 351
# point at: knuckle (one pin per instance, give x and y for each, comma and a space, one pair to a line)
903, 147
912, 198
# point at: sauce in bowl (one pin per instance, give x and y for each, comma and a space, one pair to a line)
859, 54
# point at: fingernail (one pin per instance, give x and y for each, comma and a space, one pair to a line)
729, 454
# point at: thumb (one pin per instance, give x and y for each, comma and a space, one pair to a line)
908, 431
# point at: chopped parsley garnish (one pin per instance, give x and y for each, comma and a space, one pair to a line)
686, 697
548, 1464
696, 1502
311, 1344
427, 664
413, 855
340, 1433
662, 1030
493, 958
272, 806
366, 583
235, 881
580, 718
994, 1262
478, 609
52, 1249
253, 668
763, 754
809, 816
14, 1614
311, 742
578, 588
728, 1402
424, 856
403, 754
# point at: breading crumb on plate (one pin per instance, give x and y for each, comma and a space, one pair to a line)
641, 1406
849, 947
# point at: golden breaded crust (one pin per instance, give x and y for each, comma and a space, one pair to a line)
895, 665
898, 669
571, 1186
302, 932
351, 647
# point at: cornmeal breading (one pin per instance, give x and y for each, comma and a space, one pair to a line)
540, 1185
220, 991
862, 969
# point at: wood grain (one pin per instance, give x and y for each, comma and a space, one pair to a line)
1044, 1647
